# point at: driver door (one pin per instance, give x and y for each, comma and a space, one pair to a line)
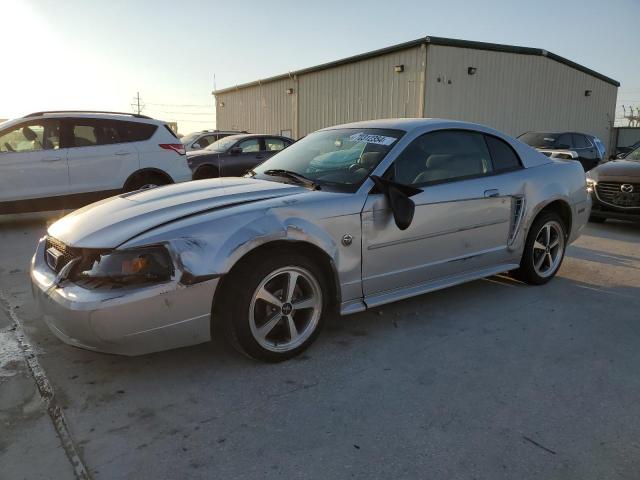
461, 221
251, 155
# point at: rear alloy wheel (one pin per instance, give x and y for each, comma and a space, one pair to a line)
273, 307
543, 251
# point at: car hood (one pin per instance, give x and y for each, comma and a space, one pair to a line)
111, 222
620, 170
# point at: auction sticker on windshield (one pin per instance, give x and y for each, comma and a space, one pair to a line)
368, 138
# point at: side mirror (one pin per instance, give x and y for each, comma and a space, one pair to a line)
397, 194
620, 155
574, 154
235, 151
196, 146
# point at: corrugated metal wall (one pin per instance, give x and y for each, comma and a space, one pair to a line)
363, 90
358, 91
516, 93
266, 108
511, 92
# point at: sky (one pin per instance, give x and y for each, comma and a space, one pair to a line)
97, 54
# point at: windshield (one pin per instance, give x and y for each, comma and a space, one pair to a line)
338, 159
222, 145
545, 140
633, 155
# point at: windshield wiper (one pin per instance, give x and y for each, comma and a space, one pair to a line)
301, 179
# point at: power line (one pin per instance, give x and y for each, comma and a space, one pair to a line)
208, 105
183, 113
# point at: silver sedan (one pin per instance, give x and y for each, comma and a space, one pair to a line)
348, 218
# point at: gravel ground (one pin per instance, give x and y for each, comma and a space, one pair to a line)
487, 380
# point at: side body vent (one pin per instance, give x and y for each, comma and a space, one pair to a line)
517, 211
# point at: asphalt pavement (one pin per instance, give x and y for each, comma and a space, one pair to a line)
488, 380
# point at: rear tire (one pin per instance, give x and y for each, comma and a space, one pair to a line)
266, 318
145, 180
543, 250
206, 172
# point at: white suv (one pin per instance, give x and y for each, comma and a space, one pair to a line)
59, 160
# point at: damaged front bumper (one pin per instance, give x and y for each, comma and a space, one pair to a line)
128, 320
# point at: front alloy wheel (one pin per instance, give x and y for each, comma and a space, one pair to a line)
272, 304
285, 309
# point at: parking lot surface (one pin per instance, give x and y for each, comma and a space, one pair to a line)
488, 380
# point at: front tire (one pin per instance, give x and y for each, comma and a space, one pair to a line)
274, 306
543, 251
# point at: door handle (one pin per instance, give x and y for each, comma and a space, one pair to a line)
494, 192
122, 153
51, 159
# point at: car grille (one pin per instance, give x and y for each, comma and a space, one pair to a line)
66, 254
613, 194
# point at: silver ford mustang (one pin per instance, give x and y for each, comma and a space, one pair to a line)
424, 204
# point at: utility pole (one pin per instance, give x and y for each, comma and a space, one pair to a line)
137, 106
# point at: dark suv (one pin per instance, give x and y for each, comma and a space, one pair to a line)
615, 189
200, 140
587, 149
234, 155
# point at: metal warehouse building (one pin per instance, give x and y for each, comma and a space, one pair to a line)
513, 89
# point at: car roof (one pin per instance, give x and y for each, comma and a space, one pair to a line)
253, 135
130, 117
409, 124
208, 132
560, 132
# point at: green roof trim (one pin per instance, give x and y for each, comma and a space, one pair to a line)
448, 42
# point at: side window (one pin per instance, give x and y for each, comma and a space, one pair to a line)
274, 144
206, 141
579, 141
564, 141
83, 135
443, 156
43, 135
250, 145
92, 132
502, 154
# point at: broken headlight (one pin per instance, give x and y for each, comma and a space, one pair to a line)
128, 267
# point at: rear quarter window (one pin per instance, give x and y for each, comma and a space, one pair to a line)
173, 134
503, 155
139, 132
